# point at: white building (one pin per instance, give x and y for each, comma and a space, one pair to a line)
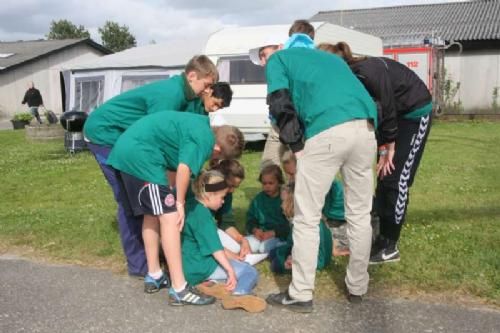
474, 26
40, 61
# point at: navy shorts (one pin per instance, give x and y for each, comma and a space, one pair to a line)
157, 199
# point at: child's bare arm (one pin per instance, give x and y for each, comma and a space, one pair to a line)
221, 258
182, 183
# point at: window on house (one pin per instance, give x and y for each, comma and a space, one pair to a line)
240, 70
134, 81
89, 93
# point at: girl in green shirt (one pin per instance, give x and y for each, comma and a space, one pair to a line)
203, 256
266, 225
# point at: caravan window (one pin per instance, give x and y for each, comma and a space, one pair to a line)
89, 92
134, 81
240, 70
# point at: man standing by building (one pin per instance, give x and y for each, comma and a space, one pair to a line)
34, 100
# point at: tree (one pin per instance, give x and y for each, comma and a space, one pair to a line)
115, 37
64, 29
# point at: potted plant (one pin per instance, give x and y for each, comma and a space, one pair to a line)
20, 120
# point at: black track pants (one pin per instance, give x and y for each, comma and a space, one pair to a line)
392, 195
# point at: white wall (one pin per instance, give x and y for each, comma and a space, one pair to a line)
478, 73
45, 74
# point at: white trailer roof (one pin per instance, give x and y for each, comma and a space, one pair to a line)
174, 54
238, 40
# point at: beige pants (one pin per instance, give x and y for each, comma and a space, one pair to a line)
273, 150
349, 147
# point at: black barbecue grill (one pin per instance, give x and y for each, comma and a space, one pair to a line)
72, 122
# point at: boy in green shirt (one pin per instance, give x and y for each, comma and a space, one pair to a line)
161, 142
110, 120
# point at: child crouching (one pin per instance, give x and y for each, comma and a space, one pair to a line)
281, 257
203, 256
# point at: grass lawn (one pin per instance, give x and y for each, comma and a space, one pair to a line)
58, 207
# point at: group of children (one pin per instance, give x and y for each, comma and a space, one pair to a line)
152, 144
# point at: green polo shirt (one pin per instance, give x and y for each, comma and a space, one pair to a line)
323, 88
197, 106
105, 124
199, 241
265, 213
334, 202
161, 141
324, 251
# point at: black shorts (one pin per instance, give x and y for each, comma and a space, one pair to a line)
130, 187
157, 199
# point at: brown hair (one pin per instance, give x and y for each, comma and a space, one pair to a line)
302, 27
230, 140
229, 168
202, 66
273, 170
287, 204
205, 177
341, 49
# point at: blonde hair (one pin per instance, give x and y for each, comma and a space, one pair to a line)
287, 157
206, 177
341, 49
287, 204
202, 66
230, 140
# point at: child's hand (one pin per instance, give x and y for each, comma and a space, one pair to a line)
231, 255
231, 280
288, 262
244, 248
268, 235
258, 233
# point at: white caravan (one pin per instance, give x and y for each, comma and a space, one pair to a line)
228, 48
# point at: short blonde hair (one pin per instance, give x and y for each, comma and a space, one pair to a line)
231, 141
203, 67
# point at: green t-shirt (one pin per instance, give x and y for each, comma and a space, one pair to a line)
159, 142
224, 215
105, 124
323, 89
334, 202
266, 213
197, 106
324, 251
419, 112
199, 241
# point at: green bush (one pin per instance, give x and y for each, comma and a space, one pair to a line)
24, 116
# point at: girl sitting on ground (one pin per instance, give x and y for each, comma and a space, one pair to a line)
203, 256
281, 257
236, 246
266, 225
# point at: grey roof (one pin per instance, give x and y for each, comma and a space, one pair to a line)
27, 51
459, 21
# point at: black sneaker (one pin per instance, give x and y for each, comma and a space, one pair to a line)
189, 296
387, 254
152, 285
284, 300
378, 244
354, 299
